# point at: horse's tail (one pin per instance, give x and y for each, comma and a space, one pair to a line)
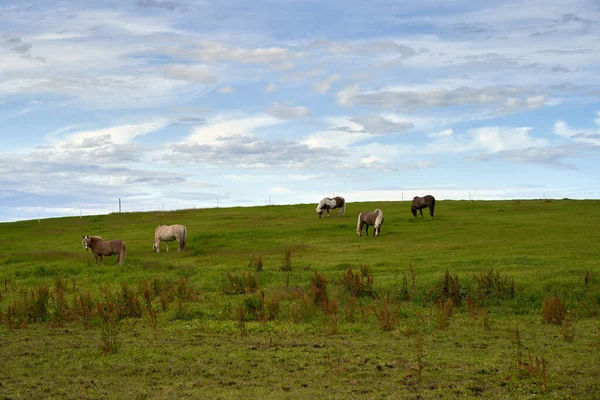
123, 253
432, 206
359, 224
183, 237
379, 219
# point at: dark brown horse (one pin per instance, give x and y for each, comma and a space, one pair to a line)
419, 203
105, 248
331, 204
370, 218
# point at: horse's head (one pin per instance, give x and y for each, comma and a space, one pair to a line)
86, 242
156, 245
413, 210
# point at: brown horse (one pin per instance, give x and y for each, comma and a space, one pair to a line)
419, 203
168, 233
331, 204
370, 218
105, 248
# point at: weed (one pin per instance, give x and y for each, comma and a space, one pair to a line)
241, 319
405, 292
491, 286
153, 319
518, 351
287, 261
146, 294
350, 309
445, 313
567, 331
253, 306
359, 284
61, 309
256, 263
386, 315
240, 284
184, 291
592, 308
420, 355
331, 324
83, 307
538, 368
449, 288
164, 301
554, 310
129, 303
110, 314
10, 320
330, 306
272, 307
318, 288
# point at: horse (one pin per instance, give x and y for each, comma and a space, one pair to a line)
419, 203
331, 204
168, 233
105, 248
370, 218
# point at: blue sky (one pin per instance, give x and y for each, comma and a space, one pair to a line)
181, 104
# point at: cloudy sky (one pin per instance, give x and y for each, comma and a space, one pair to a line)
186, 103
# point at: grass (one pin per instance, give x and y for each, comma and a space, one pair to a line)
274, 302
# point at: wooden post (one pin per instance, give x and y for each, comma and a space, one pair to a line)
119, 205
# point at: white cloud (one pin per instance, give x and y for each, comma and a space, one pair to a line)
120, 134
376, 124
498, 138
286, 111
346, 96
221, 127
270, 88
278, 58
324, 85
226, 90
190, 73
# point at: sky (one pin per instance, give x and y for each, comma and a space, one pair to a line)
171, 104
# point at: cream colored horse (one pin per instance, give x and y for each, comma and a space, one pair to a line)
168, 233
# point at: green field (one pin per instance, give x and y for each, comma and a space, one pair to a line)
490, 299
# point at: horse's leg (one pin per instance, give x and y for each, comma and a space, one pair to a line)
167, 245
328, 212
101, 260
178, 245
421, 211
367, 229
96, 258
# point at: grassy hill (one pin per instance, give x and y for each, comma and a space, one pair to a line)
491, 299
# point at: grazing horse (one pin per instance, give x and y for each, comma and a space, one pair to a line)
370, 218
419, 203
168, 233
105, 248
330, 204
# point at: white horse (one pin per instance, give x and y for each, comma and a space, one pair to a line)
330, 204
168, 233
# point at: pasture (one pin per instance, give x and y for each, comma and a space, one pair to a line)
494, 299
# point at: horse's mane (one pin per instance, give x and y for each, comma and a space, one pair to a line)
379, 219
